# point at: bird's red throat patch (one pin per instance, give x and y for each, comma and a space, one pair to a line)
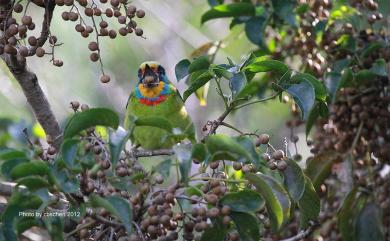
150, 102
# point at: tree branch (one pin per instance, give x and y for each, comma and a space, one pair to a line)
302, 234
148, 153
29, 81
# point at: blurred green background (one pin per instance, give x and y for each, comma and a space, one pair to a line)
173, 31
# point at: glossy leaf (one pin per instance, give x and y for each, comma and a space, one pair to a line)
243, 201
311, 120
304, 95
222, 146
247, 226
195, 84
267, 66
199, 152
217, 232
309, 204
154, 121
229, 10
379, 67
318, 168
276, 198
164, 168
251, 89
237, 82
294, 180
182, 69
117, 143
183, 154
33, 182
38, 168
200, 63
254, 30
319, 88
117, 206
90, 118
55, 227
346, 215
9, 154
69, 152
369, 224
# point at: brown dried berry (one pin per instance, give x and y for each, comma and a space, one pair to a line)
18, 8
40, 52
282, 165
131, 9
122, 19
65, 16
97, 11
52, 39
213, 212
84, 107
103, 24
237, 166
73, 16
93, 46
88, 29
60, 2
83, 2
79, 28
26, 20
88, 12
264, 139
277, 155
68, 2
94, 57
112, 33
32, 41
109, 12
9, 49
211, 198
123, 31
140, 13
105, 79
22, 29
75, 106
23, 51
114, 3
139, 32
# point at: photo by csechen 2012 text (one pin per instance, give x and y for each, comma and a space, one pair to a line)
48, 214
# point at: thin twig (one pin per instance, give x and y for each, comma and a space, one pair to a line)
302, 234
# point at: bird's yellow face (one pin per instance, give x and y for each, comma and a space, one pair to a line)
150, 74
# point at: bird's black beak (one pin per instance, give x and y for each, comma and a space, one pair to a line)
150, 78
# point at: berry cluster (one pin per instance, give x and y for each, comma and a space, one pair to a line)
92, 20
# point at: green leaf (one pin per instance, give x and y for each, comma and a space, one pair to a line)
10, 154
319, 88
25, 223
243, 201
69, 152
90, 118
347, 42
248, 144
33, 182
294, 179
164, 168
222, 147
254, 30
364, 76
276, 198
200, 63
155, 121
372, 47
215, 233
251, 89
267, 66
229, 10
38, 168
198, 152
346, 215
117, 206
309, 204
318, 168
369, 224
195, 84
117, 143
183, 154
304, 95
312, 118
190, 191
379, 67
247, 226
182, 69
285, 11
55, 227
237, 82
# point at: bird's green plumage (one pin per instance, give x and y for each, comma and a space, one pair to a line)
171, 109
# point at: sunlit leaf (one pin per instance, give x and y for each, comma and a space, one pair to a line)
90, 118
229, 10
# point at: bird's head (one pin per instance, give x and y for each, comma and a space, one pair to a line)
150, 74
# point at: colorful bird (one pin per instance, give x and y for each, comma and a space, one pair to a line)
156, 96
